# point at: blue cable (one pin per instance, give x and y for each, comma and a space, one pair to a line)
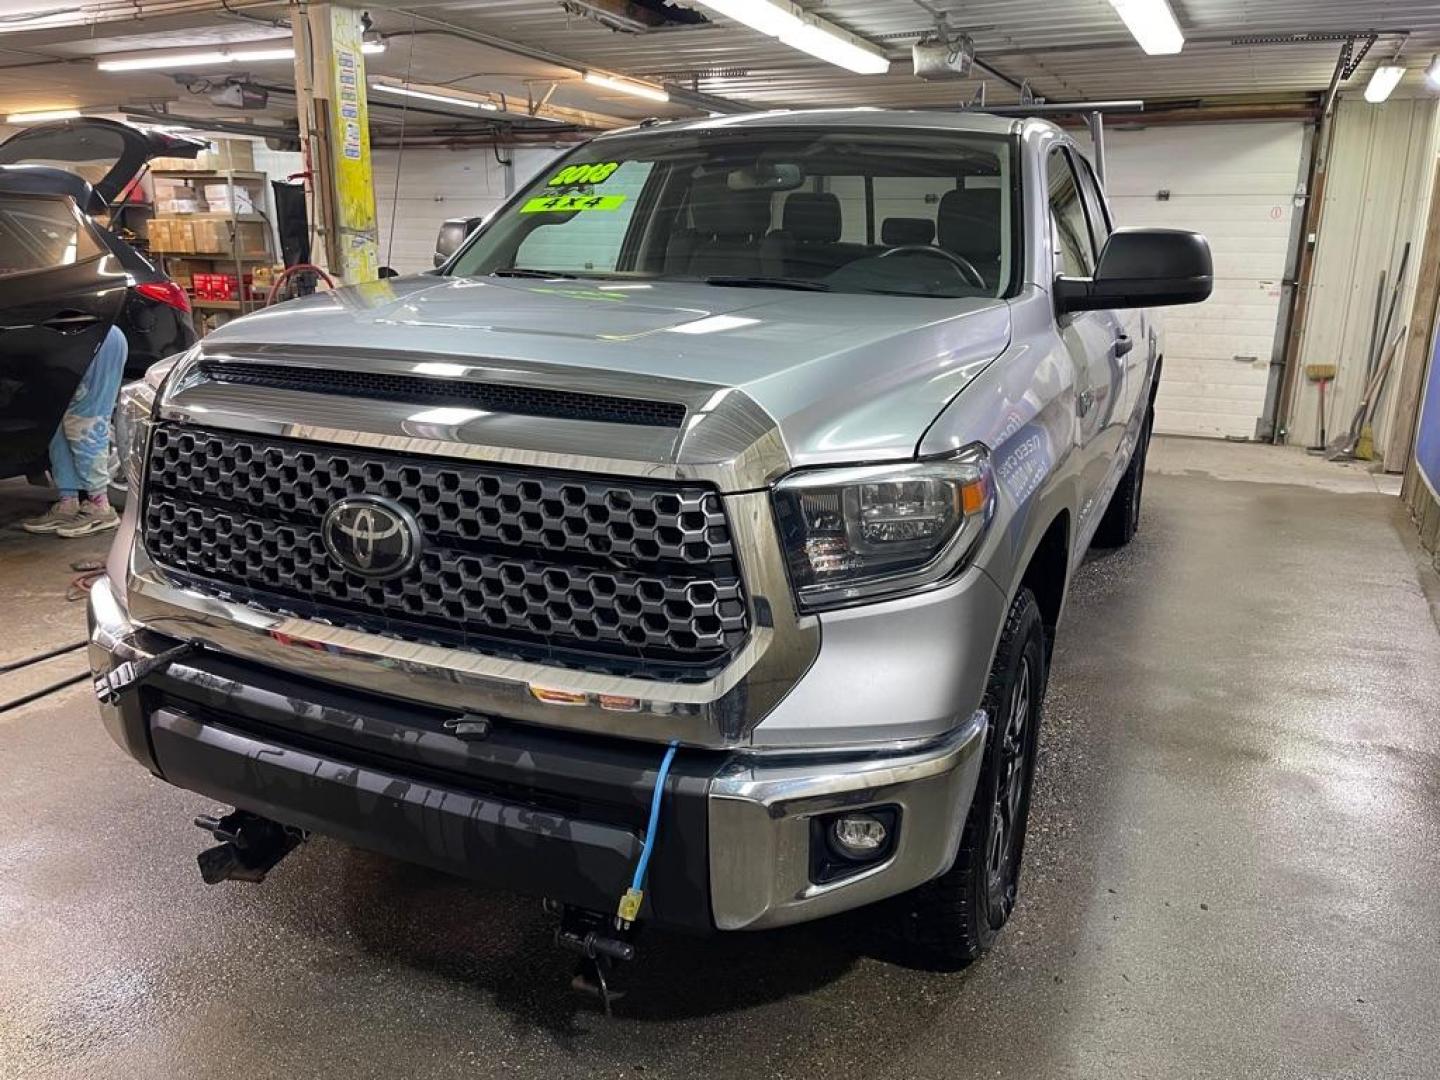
639, 880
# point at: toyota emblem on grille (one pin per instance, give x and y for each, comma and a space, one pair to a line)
375, 538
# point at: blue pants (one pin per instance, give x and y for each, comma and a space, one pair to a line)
80, 448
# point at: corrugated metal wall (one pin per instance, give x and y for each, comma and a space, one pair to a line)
1235, 183
1378, 175
436, 184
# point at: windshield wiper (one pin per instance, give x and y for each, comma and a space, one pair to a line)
521, 271
739, 282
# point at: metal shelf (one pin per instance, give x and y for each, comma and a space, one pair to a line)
227, 174
212, 215
217, 256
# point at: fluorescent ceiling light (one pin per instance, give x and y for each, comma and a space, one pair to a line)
211, 58
800, 30
42, 116
1152, 24
1432, 73
1385, 79
762, 15
628, 86
823, 45
444, 99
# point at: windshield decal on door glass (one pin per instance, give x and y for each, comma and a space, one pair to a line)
565, 203
596, 173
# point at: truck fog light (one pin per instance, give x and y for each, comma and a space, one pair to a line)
859, 836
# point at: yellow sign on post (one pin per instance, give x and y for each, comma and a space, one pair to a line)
357, 237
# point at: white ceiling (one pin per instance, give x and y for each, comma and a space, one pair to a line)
1066, 49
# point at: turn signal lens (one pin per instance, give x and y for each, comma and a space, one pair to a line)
558, 697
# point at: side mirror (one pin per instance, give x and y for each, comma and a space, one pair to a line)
452, 234
1142, 268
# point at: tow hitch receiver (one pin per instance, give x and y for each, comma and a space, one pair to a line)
250, 846
599, 944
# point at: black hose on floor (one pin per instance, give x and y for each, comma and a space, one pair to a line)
16, 665
43, 691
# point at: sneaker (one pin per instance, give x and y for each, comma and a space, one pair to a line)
58, 516
90, 519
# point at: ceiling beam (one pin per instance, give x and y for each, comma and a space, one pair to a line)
679, 94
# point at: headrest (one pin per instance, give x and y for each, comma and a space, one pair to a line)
899, 231
969, 222
717, 210
813, 216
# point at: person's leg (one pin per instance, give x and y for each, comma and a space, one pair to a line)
66, 477
87, 430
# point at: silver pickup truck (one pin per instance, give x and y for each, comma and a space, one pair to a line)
688, 547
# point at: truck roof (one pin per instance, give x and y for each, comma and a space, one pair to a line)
915, 119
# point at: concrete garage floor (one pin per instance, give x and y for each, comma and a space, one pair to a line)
1234, 868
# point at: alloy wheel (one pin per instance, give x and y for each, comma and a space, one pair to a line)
1003, 857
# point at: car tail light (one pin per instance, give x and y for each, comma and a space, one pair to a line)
166, 292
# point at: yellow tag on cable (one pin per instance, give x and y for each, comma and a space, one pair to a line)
629, 909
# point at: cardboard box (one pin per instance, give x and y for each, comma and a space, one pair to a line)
174, 164
226, 155
209, 236
251, 237
182, 237
219, 197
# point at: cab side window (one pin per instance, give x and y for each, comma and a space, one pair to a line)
1071, 239
1099, 213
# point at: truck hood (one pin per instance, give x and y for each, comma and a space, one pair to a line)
845, 376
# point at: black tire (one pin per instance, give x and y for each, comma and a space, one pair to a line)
1122, 516
949, 922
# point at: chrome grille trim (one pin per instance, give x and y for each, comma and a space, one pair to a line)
586, 571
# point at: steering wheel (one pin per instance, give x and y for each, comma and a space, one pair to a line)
962, 264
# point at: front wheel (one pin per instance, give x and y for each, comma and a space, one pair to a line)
949, 922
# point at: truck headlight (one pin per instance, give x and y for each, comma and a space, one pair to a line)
867, 532
132, 418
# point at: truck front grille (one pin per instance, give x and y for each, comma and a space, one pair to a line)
607, 574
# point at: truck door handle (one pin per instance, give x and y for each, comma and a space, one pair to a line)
70, 322
1123, 344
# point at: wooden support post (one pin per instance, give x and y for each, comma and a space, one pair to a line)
1400, 440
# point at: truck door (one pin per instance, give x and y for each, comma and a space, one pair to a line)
60, 291
1131, 347
1090, 338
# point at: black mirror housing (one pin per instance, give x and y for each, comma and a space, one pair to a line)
1143, 268
452, 234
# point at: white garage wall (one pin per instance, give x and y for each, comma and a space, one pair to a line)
1378, 175
436, 184
1235, 183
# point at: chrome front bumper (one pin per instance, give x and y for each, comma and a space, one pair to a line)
758, 807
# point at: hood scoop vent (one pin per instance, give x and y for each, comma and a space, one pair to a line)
436, 392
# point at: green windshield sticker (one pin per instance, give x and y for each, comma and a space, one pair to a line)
596, 173
559, 204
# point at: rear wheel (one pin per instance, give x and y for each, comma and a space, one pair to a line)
1122, 517
949, 922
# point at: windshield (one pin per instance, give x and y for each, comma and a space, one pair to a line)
897, 213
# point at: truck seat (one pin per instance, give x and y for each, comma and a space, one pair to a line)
728, 228
968, 224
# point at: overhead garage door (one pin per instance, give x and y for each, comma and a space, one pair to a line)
1235, 183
